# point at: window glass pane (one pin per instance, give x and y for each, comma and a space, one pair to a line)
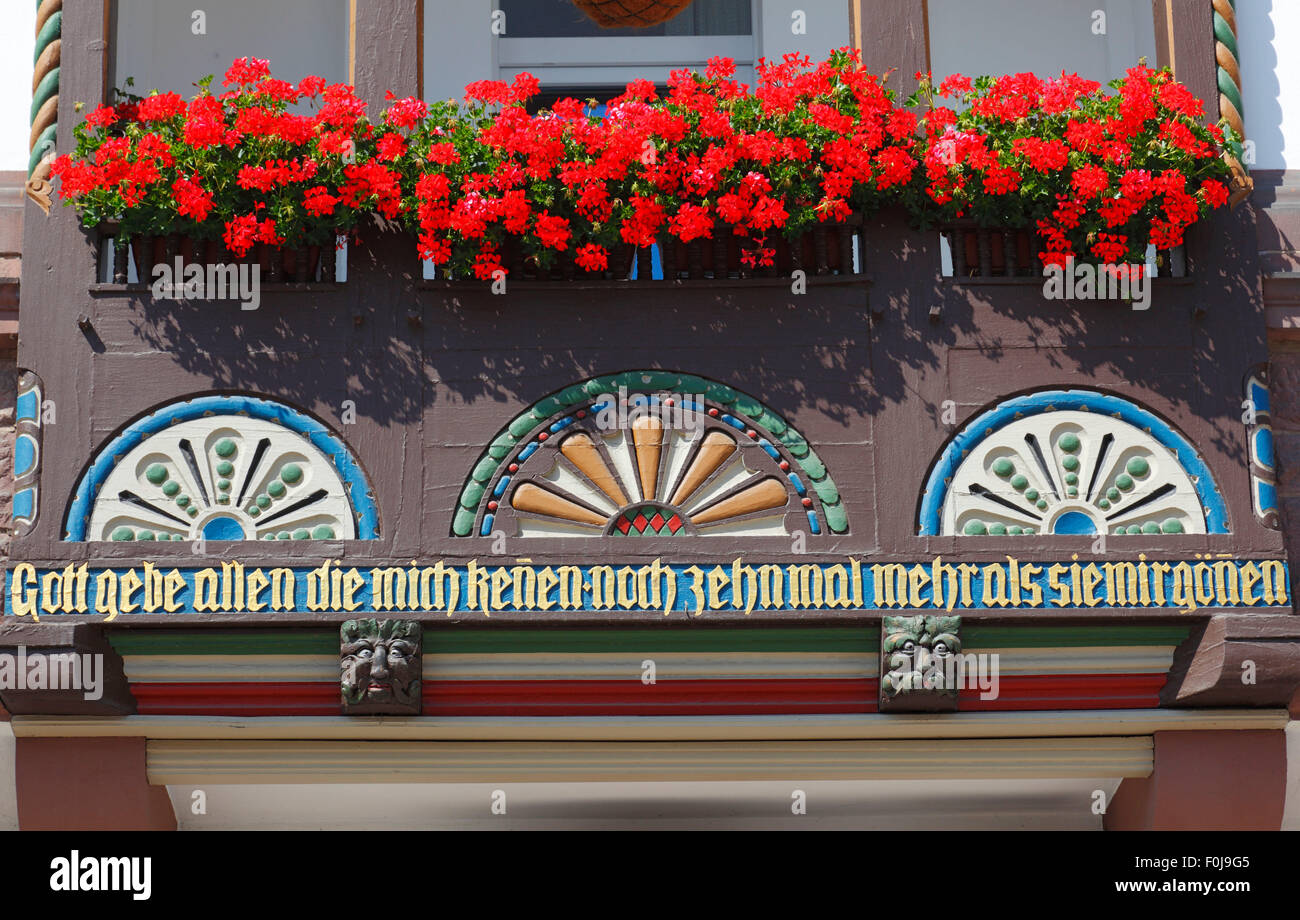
997, 37
561, 19
155, 42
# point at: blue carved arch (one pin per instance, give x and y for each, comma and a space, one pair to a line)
359, 494
988, 423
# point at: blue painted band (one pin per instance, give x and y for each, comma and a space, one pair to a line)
363, 503
970, 437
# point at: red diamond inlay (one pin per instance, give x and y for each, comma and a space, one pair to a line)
674, 523
639, 523
623, 525
657, 521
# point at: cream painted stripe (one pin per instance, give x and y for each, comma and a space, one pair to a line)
660, 728
621, 665
1138, 659
220, 762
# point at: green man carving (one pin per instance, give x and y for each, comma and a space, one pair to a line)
380, 667
917, 655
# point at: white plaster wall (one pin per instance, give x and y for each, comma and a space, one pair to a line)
16, 45
826, 23
157, 45
458, 46
975, 37
1270, 80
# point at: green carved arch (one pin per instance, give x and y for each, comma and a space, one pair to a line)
524, 427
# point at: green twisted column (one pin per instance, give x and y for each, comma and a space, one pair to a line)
1225, 55
1229, 79
45, 99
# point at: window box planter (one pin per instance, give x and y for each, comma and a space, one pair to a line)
277, 263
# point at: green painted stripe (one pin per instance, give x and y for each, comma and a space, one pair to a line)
506, 641
488, 641
207, 642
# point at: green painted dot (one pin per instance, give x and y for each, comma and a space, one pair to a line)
171, 488
1030, 530
1003, 467
223, 499
1072, 492
1071, 479
253, 511
1119, 531
192, 511
225, 468
1015, 530
176, 538
975, 528
322, 533
284, 535
157, 474
263, 500
1138, 466
1171, 525
302, 534
291, 473
276, 489
1124, 481
1103, 504
183, 501
225, 448
1112, 494
1041, 505
223, 485
1032, 495
1071, 463
146, 535
1133, 528
1150, 527
1019, 482
1069, 442
269, 536
122, 534
998, 530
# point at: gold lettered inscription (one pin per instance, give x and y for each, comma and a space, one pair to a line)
693, 590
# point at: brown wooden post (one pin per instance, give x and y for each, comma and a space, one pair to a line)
891, 34
88, 784
1211, 780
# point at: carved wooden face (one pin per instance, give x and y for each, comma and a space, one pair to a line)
380, 666
915, 646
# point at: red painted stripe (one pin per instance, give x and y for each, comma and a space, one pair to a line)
523, 698
230, 698
1036, 692
631, 697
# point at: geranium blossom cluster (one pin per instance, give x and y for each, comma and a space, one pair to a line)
496, 181
810, 143
1099, 175
242, 165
